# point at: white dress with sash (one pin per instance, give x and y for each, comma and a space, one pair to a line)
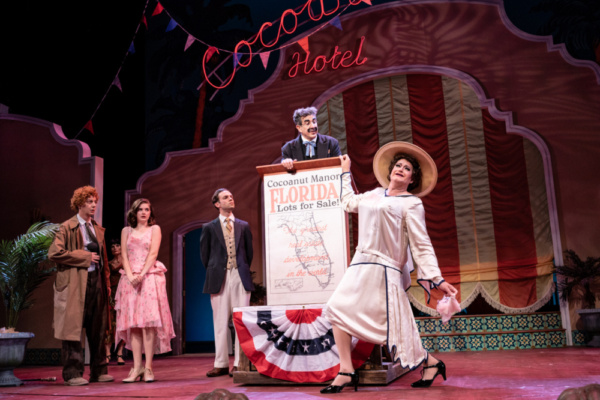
370, 302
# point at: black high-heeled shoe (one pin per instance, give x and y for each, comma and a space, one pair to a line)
441, 370
336, 389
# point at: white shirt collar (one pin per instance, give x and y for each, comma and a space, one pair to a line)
223, 218
81, 220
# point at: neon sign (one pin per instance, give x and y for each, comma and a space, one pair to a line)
288, 23
320, 62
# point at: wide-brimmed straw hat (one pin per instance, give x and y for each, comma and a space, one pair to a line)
385, 155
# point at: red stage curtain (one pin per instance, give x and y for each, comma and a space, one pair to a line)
486, 234
428, 117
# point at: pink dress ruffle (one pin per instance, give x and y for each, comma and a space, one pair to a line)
145, 305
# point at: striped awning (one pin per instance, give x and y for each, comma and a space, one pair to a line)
488, 216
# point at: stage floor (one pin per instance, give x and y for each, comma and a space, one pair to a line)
508, 374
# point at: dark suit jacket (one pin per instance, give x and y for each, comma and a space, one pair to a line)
326, 147
213, 253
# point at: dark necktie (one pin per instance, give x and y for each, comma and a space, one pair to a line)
93, 246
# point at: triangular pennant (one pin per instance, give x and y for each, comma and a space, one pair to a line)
159, 8
336, 22
144, 21
171, 26
188, 42
132, 48
89, 127
304, 43
368, 2
211, 50
117, 83
236, 59
264, 57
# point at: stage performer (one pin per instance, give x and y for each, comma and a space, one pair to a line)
143, 316
226, 252
370, 302
309, 144
116, 264
81, 289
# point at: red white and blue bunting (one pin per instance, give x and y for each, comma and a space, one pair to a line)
292, 343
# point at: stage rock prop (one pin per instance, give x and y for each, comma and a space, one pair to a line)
221, 394
588, 392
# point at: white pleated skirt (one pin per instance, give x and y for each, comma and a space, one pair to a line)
370, 304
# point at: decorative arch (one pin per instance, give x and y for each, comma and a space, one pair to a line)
446, 112
177, 282
40, 170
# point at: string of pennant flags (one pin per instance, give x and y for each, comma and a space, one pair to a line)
211, 50
116, 81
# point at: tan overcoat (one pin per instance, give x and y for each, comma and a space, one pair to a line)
73, 261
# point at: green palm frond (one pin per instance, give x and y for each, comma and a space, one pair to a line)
578, 277
24, 266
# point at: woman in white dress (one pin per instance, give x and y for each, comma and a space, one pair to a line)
370, 302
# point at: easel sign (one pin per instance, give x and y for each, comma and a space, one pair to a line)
306, 232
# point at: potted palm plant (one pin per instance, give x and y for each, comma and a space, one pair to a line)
24, 265
578, 280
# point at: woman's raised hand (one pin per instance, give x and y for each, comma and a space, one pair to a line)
345, 159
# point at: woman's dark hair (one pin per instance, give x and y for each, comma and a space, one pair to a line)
416, 173
132, 214
114, 241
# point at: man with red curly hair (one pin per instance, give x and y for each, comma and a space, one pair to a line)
81, 289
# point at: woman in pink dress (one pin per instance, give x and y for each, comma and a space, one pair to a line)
143, 317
